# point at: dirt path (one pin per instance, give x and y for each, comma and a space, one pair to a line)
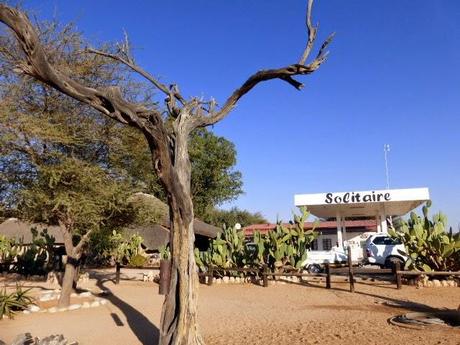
249, 314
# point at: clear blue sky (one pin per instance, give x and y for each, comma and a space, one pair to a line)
393, 77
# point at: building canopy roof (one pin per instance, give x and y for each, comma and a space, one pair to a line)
389, 202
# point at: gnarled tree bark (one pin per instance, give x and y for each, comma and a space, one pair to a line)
74, 253
168, 145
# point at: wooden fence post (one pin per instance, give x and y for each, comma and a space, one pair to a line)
350, 271
397, 268
265, 276
117, 273
328, 275
210, 275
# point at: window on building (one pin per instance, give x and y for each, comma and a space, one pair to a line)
327, 244
314, 245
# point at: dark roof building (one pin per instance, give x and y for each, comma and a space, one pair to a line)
20, 230
155, 235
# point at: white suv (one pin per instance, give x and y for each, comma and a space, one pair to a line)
385, 251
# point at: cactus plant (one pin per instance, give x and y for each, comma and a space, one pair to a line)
288, 245
285, 245
428, 244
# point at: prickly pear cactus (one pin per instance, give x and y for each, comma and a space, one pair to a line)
284, 246
428, 244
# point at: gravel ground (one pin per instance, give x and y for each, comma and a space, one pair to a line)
249, 314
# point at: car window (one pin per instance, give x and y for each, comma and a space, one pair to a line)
385, 240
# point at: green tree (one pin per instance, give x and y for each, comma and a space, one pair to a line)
82, 199
213, 158
230, 217
214, 180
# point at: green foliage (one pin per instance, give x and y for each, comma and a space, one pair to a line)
124, 249
138, 260
78, 195
39, 125
288, 245
214, 179
11, 303
34, 259
81, 197
165, 252
213, 158
285, 246
428, 244
8, 251
233, 216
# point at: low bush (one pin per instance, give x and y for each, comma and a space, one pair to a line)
11, 303
137, 260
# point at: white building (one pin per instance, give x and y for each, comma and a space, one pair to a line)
374, 204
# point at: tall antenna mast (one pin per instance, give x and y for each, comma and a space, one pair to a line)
386, 149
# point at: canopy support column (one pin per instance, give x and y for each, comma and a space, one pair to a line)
339, 230
344, 232
383, 220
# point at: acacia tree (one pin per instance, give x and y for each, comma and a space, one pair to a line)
83, 199
167, 138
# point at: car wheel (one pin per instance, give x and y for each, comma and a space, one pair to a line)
315, 268
391, 262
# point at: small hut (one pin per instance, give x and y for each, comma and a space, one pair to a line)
156, 234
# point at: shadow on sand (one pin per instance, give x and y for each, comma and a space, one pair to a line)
145, 331
388, 301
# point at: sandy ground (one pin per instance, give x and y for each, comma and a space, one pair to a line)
249, 314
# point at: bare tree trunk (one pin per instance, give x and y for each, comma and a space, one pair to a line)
179, 324
179, 315
67, 283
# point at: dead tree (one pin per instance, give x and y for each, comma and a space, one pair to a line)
168, 143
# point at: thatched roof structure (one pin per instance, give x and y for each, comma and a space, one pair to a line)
20, 230
155, 234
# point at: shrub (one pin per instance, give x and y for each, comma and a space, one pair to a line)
10, 303
137, 260
124, 249
8, 251
36, 259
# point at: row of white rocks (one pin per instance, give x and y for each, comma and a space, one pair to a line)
150, 277
247, 280
435, 283
85, 305
55, 294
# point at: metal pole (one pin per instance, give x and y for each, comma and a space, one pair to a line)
386, 149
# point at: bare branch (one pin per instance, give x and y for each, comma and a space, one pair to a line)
284, 73
83, 241
130, 63
35, 64
312, 30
